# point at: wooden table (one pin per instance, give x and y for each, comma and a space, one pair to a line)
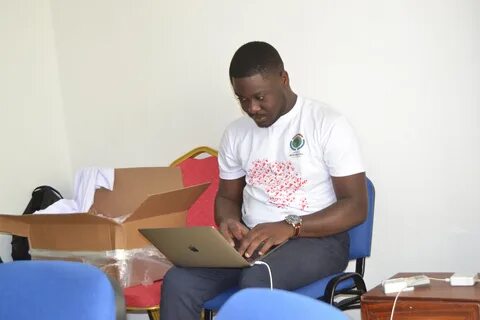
438, 301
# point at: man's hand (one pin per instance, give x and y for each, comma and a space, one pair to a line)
228, 206
232, 229
265, 235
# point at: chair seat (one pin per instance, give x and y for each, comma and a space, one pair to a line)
143, 296
314, 290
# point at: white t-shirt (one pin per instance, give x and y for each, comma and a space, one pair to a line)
288, 166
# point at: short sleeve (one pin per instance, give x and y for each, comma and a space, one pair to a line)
341, 150
229, 164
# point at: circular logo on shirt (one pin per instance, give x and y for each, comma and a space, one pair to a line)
297, 142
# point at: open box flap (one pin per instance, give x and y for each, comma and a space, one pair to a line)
164, 203
79, 231
20, 225
132, 186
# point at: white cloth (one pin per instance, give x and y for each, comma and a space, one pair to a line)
87, 180
288, 166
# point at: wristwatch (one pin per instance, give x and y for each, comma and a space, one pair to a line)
296, 222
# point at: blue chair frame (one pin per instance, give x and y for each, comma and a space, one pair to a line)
326, 289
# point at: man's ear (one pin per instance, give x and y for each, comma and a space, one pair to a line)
284, 78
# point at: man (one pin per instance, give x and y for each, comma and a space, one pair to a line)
289, 172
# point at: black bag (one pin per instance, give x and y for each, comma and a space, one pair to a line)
42, 197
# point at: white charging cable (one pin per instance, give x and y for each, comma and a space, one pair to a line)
396, 298
439, 279
269, 272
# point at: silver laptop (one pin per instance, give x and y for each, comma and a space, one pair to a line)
198, 247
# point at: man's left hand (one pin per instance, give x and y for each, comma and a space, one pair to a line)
263, 236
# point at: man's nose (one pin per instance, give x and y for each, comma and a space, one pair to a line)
253, 106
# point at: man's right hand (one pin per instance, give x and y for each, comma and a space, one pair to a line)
232, 229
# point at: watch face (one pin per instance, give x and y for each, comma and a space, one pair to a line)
293, 219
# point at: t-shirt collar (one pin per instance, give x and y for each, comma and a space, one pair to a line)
290, 114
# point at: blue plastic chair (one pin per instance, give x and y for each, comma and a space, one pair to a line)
54, 290
328, 288
261, 304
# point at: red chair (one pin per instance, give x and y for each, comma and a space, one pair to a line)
144, 299
194, 171
197, 171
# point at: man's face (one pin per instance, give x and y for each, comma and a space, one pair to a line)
262, 97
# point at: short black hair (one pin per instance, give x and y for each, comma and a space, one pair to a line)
253, 58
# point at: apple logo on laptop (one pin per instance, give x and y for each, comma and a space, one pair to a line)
193, 249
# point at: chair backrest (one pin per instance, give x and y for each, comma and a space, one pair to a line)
196, 171
361, 235
58, 290
262, 303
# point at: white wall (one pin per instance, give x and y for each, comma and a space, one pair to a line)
32, 132
144, 81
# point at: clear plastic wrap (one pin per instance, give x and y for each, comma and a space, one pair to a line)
129, 267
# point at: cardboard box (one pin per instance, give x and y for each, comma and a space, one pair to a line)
141, 198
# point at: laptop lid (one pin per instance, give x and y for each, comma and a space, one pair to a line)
196, 247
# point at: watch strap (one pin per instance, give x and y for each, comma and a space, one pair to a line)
297, 229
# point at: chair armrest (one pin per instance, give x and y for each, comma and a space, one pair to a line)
330, 290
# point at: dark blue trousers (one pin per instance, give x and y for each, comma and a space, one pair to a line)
297, 263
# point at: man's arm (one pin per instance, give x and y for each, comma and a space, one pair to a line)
349, 210
228, 209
